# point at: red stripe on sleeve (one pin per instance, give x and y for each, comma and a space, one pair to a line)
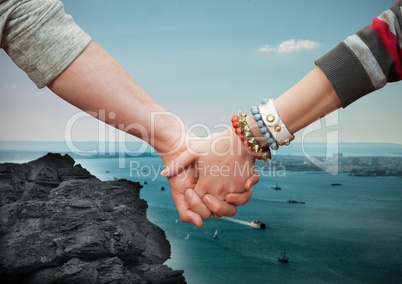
390, 42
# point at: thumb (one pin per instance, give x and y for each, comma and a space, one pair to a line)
178, 164
252, 180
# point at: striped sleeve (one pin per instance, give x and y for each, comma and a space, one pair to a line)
368, 60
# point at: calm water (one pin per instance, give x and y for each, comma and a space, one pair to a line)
343, 234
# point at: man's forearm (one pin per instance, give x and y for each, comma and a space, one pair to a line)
95, 82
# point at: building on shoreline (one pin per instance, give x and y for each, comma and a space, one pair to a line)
356, 166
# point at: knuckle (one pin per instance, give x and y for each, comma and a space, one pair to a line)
219, 192
184, 218
232, 212
206, 215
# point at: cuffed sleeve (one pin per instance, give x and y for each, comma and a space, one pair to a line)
346, 74
41, 38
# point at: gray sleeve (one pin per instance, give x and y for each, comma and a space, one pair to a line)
40, 37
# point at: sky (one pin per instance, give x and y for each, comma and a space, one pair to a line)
204, 60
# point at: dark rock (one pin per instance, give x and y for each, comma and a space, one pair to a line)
60, 224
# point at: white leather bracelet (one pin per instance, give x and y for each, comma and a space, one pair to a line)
273, 122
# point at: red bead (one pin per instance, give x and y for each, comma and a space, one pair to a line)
251, 149
241, 136
245, 143
235, 118
236, 124
238, 131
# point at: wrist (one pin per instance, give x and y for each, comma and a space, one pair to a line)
255, 130
168, 134
271, 123
242, 129
267, 126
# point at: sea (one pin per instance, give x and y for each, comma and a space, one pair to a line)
350, 233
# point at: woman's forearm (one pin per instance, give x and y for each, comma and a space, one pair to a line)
310, 99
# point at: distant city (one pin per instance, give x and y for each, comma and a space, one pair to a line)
354, 166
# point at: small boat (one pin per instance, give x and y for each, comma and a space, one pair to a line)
276, 187
162, 188
187, 237
145, 183
257, 224
336, 184
282, 258
296, 202
216, 234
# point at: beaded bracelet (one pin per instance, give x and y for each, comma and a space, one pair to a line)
243, 131
264, 131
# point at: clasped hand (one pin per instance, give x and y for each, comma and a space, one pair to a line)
210, 176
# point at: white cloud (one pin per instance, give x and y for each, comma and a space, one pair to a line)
290, 45
293, 45
266, 48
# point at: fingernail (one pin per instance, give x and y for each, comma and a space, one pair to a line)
231, 199
165, 172
207, 200
189, 194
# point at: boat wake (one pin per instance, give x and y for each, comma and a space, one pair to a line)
254, 224
236, 221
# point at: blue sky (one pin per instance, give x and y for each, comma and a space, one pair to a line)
205, 59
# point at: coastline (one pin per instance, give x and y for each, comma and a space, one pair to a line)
332, 237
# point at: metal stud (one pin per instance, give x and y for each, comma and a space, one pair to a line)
270, 117
251, 140
277, 128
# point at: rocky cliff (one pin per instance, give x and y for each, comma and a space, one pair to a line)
60, 224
